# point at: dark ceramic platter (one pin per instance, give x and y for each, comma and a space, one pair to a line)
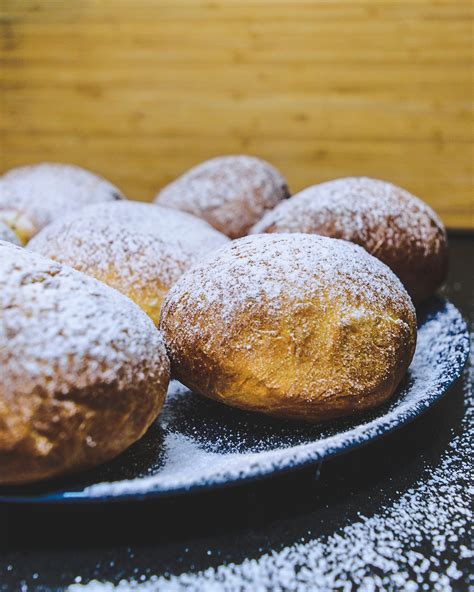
197, 444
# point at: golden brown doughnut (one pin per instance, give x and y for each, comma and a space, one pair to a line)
390, 223
229, 192
139, 249
291, 325
83, 371
33, 196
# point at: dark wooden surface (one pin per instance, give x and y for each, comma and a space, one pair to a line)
47, 548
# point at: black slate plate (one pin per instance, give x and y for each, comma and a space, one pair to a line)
197, 444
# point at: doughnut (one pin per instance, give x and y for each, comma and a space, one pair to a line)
83, 371
7, 234
295, 326
390, 223
139, 249
229, 192
33, 196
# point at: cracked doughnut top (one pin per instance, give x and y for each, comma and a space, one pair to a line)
293, 325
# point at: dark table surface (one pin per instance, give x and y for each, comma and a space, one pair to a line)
394, 515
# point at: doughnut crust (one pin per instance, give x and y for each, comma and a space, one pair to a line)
33, 196
229, 192
139, 249
390, 223
83, 370
291, 325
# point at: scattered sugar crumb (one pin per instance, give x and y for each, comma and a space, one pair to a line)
386, 551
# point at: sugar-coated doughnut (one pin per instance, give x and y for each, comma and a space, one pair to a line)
139, 249
7, 234
229, 192
33, 196
390, 223
291, 325
83, 371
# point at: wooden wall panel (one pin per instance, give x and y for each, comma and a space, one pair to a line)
140, 90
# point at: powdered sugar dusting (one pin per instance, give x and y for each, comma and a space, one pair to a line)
8, 235
288, 301
230, 192
387, 221
401, 547
61, 329
141, 246
357, 209
43, 192
286, 268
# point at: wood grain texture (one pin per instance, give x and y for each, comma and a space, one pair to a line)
140, 90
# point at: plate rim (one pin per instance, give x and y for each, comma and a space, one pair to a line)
64, 498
